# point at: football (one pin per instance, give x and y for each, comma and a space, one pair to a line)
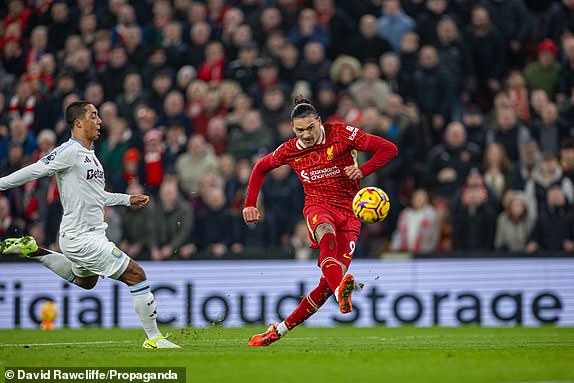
371, 204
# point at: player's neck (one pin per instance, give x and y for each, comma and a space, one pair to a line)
86, 143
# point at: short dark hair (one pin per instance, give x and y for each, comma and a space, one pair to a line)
76, 110
302, 108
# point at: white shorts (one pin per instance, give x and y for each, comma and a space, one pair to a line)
93, 254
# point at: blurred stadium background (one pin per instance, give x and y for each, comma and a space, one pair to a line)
477, 95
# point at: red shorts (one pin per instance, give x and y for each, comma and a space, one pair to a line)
347, 229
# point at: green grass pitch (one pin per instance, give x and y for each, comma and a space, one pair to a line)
317, 355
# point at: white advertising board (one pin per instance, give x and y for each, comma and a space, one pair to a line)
493, 292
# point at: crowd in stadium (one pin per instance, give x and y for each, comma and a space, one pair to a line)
478, 95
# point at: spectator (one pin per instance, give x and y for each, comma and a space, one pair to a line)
145, 118
518, 95
200, 34
370, 90
133, 94
551, 130
175, 145
560, 18
427, 21
538, 100
497, 169
397, 79
19, 135
473, 120
153, 160
336, 22
62, 25
509, 132
433, 92
22, 105
173, 110
251, 136
185, 75
267, 78
197, 161
113, 77
81, 66
307, 30
94, 94
448, 164
367, 44
270, 20
274, 108
514, 225
453, 55
554, 228
547, 175
289, 62
543, 73
300, 242
38, 44
314, 66
133, 43
87, 27
212, 68
326, 103
282, 195
417, 229
244, 68
394, 23
487, 53
132, 171
213, 233
138, 227
161, 85
344, 71
512, 20
173, 223
112, 150
474, 214
172, 42
522, 172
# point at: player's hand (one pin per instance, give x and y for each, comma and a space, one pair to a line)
353, 172
251, 215
139, 200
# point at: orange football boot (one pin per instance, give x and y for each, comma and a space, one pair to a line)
345, 290
265, 339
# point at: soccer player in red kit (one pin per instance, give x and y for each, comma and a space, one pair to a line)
324, 158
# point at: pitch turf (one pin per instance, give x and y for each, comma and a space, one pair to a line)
317, 355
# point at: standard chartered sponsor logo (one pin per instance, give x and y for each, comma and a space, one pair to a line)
320, 173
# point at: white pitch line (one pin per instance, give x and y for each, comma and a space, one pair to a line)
63, 343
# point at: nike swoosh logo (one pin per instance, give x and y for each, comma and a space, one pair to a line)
346, 256
298, 159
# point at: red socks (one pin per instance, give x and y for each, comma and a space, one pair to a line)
328, 260
309, 305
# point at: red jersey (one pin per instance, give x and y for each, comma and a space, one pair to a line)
320, 168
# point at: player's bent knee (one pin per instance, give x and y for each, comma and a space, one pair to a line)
322, 229
86, 283
134, 274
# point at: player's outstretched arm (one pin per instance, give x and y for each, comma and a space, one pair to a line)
24, 175
264, 165
383, 151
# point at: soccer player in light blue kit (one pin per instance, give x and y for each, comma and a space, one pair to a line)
87, 252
